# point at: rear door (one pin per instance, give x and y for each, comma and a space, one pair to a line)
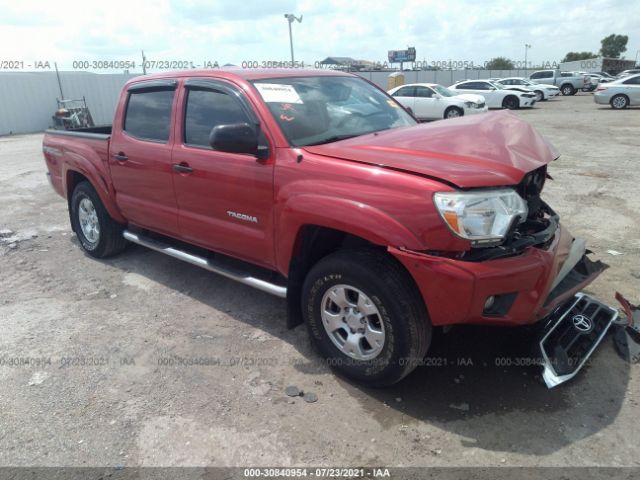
140, 156
632, 89
406, 96
225, 200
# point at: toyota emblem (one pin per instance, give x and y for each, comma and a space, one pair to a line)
582, 323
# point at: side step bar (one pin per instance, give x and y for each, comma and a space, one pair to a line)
238, 276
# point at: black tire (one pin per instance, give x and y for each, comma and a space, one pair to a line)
567, 89
453, 112
511, 102
619, 101
110, 240
401, 310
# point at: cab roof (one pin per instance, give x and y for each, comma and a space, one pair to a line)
231, 73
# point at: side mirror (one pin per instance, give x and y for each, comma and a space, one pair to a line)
237, 138
437, 96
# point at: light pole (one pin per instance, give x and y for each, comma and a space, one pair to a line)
291, 18
526, 49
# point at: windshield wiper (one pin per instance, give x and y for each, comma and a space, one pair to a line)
335, 138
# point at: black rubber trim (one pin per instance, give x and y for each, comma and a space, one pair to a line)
72, 133
153, 85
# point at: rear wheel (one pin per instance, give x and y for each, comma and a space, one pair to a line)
619, 102
99, 235
453, 112
365, 316
567, 89
511, 102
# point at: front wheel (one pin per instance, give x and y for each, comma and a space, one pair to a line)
99, 235
567, 90
365, 316
511, 102
539, 96
453, 112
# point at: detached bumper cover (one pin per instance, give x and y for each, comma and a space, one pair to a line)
573, 332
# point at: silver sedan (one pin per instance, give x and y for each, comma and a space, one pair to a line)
620, 93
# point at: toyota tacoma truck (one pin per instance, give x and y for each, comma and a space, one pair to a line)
320, 188
569, 83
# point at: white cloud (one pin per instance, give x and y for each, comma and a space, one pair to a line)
230, 32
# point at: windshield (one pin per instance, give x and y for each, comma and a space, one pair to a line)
315, 110
445, 92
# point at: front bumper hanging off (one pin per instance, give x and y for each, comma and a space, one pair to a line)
572, 333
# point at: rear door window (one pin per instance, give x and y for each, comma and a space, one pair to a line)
406, 92
148, 115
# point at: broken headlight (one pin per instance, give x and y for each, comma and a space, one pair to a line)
484, 217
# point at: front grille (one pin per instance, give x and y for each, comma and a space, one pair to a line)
574, 331
481, 105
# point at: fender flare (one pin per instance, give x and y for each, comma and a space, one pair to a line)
99, 179
349, 216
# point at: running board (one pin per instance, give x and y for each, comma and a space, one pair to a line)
238, 276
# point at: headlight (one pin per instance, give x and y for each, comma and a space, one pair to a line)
470, 104
484, 216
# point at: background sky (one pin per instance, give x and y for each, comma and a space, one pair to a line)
248, 30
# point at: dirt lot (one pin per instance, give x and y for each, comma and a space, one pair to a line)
120, 334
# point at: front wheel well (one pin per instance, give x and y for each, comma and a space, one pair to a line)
312, 244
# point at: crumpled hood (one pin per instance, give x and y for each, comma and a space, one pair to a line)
494, 149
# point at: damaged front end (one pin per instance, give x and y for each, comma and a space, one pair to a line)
573, 323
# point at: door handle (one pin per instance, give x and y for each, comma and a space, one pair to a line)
120, 156
182, 168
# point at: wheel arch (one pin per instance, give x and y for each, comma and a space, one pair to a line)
74, 175
450, 107
620, 95
511, 95
309, 233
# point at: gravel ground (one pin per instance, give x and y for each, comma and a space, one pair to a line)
109, 346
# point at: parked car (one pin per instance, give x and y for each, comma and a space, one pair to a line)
626, 73
318, 187
620, 93
496, 95
596, 80
430, 101
543, 92
605, 75
568, 83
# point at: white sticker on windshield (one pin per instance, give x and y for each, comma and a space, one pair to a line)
278, 93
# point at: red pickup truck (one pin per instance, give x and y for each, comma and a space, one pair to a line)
320, 188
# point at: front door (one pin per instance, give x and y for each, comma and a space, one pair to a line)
425, 105
224, 199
